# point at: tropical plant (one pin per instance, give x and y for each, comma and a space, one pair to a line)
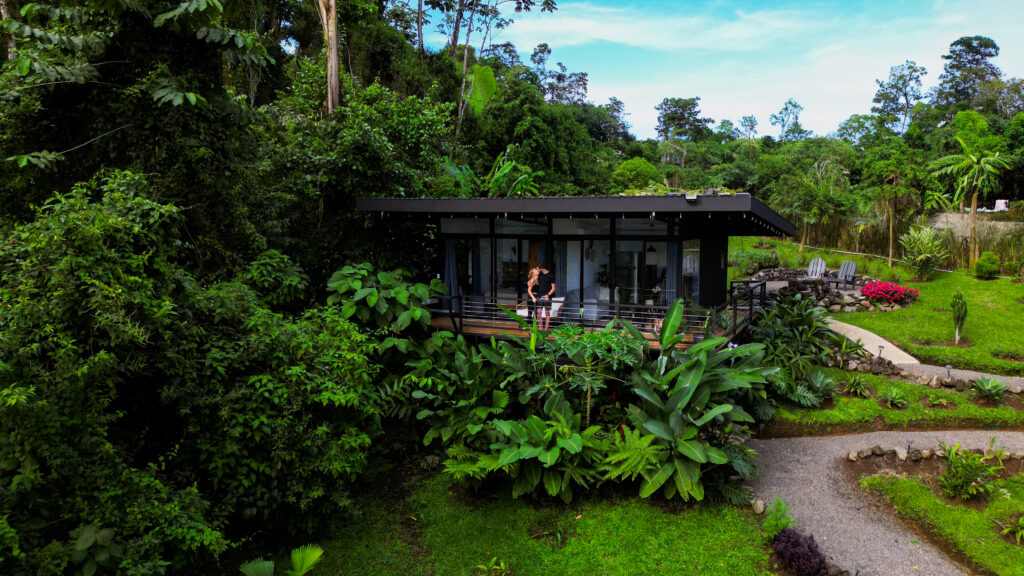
986, 267
893, 397
855, 386
924, 251
777, 518
967, 474
495, 567
635, 173
959, 307
988, 389
303, 560
506, 178
976, 174
383, 300
1014, 527
751, 261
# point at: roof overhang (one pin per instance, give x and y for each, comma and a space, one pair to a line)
732, 215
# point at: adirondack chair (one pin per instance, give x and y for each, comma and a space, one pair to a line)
846, 275
816, 269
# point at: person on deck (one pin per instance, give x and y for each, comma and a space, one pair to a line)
541, 293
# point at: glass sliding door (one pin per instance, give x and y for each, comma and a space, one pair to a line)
595, 290
629, 261
690, 271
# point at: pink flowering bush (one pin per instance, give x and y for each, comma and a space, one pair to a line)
889, 292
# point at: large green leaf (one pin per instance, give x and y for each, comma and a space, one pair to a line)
549, 457
572, 444
651, 483
536, 428
528, 478
716, 456
660, 429
508, 456
692, 449
670, 325
691, 377
720, 409
651, 397
552, 482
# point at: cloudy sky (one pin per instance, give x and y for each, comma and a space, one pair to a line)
745, 58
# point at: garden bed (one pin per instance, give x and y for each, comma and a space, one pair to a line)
855, 414
968, 531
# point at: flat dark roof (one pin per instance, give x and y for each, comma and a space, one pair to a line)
735, 214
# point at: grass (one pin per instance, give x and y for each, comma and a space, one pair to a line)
436, 531
994, 310
861, 414
970, 531
993, 323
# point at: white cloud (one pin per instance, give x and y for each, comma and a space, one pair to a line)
750, 62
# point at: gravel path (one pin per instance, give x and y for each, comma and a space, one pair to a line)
806, 473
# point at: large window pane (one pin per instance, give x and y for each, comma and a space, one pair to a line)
690, 268
596, 279
582, 226
507, 282
520, 226
628, 262
655, 280
465, 226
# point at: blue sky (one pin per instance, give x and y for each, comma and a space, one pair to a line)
749, 57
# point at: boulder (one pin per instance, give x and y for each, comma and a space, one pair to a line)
901, 454
926, 453
852, 456
865, 304
916, 456
758, 505
877, 450
835, 308
862, 454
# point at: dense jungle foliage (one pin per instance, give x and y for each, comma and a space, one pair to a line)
203, 345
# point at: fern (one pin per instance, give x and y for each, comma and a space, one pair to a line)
632, 456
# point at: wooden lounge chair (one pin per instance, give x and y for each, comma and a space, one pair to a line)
816, 269
846, 275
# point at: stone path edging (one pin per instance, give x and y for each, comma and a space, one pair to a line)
806, 472
904, 361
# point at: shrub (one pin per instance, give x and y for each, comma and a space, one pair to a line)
776, 518
987, 267
958, 305
855, 386
751, 261
924, 250
967, 474
988, 389
889, 293
799, 553
1011, 268
893, 397
150, 414
635, 173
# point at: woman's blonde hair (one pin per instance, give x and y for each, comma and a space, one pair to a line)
534, 273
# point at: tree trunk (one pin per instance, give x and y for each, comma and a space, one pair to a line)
458, 26
974, 235
463, 100
419, 29
8, 9
803, 239
588, 408
892, 229
328, 10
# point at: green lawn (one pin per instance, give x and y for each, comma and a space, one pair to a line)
972, 532
993, 325
438, 531
790, 258
860, 414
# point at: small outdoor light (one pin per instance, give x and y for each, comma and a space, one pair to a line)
949, 373
880, 347
691, 196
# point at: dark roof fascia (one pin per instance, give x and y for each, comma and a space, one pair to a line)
631, 206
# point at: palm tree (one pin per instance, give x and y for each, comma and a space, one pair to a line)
976, 173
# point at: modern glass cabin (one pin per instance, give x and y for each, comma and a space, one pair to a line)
628, 257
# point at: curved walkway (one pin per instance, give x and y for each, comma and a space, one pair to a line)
807, 473
890, 351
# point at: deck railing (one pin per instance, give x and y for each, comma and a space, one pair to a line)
482, 313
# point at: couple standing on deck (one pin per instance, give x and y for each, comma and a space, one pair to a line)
541, 288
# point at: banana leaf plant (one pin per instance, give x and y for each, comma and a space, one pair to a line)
690, 401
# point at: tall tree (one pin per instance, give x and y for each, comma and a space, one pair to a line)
897, 96
8, 8
976, 173
749, 126
897, 179
788, 121
328, 12
811, 197
680, 118
968, 64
